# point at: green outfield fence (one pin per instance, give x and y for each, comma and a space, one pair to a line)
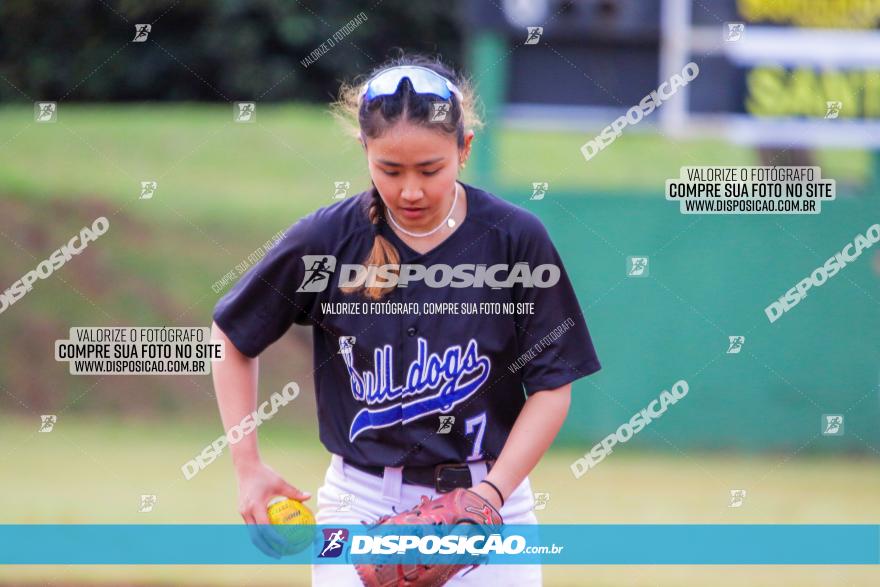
711, 277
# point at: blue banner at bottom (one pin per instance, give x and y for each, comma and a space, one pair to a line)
569, 544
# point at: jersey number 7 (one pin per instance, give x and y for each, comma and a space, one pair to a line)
478, 424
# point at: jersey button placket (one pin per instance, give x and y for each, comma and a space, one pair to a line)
406, 347
403, 350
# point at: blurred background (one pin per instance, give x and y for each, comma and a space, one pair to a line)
782, 82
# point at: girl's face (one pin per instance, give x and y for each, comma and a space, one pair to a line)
415, 168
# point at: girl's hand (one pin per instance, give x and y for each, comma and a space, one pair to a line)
257, 484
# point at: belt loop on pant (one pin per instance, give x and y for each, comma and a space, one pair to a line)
392, 480
478, 470
338, 464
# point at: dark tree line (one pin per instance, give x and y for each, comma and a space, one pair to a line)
82, 50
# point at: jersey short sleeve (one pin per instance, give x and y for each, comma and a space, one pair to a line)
261, 307
554, 342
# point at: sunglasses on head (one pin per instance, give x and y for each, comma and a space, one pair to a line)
423, 80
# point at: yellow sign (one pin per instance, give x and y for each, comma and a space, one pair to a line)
826, 14
804, 91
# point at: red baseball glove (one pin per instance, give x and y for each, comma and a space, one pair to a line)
459, 506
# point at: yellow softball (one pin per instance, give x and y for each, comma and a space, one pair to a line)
283, 510
291, 515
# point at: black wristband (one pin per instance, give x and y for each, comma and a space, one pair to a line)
495, 487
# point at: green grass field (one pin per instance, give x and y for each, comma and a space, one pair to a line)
213, 170
91, 470
224, 189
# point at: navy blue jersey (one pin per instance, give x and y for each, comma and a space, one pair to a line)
388, 374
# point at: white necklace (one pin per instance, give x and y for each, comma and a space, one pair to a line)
447, 221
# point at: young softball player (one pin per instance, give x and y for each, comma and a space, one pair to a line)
456, 377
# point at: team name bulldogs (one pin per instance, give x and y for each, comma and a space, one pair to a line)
457, 375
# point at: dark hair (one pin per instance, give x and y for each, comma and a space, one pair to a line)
372, 119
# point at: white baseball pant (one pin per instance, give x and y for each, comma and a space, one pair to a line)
373, 496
